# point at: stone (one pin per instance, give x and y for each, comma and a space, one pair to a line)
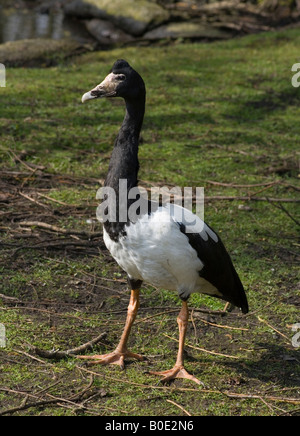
189, 29
133, 16
106, 33
39, 52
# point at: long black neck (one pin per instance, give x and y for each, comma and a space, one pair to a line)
123, 169
124, 162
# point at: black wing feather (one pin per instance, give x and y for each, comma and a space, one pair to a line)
218, 268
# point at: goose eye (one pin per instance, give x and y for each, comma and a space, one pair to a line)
121, 77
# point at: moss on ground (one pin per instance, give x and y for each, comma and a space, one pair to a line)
221, 115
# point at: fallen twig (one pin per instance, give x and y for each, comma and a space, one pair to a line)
59, 245
25, 406
250, 198
222, 326
280, 207
273, 328
260, 397
212, 391
73, 400
179, 407
33, 200
29, 355
58, 229
17, 158
57, 354
232, 185
54, 200
202, 349
6, 297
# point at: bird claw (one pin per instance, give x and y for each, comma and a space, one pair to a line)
176, 372
114, 358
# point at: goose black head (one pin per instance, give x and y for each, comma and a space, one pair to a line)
123, 81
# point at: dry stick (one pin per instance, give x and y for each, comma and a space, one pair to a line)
56, 229
223, 326
232, 185
51, 244
277, 300
263, 189
6, 297
290, 412
268, 405
56, 354
156, 314
21, 161
273, 328
267, 397
54, 200
202, 349
180, 407
33, 200
31, 357
28, 406
280, 207
26, 394
53, 400
243, 198
143, 385
48, 312
49, 387
213, 391
211, 312
288, 185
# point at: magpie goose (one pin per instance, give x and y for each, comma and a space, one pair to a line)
158, 247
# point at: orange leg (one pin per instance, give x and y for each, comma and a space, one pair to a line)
118, 356
178, 371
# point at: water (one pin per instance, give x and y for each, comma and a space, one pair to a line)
18, 24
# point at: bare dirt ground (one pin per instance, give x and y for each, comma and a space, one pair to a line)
83, 296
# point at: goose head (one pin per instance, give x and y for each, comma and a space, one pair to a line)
123, 81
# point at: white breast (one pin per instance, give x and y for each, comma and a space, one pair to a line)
157, 252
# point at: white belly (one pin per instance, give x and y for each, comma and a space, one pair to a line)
157, 252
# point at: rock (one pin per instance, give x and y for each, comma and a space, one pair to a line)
133, 16
189, 29
106, 33
84, 9
39, 52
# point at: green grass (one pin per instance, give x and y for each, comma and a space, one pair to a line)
223, 112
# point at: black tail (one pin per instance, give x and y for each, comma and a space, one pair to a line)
238, 296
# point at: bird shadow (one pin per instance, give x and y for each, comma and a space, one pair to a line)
277, 364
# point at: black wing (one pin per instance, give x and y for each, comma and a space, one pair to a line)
218, 268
